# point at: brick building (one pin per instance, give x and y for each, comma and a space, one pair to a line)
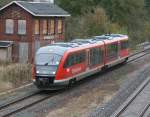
30, 25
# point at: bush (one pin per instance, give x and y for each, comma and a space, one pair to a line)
16, 74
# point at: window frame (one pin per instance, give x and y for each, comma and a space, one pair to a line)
36, 26
9, 29
52, 26
22, 27
60, 26
45, 27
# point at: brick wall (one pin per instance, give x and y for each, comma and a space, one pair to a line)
17, 13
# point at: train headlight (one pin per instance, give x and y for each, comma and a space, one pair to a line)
54, 72
57, 62
68, 70
37, 72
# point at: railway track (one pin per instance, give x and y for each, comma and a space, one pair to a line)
145, 110
28, 101
141, 54
25, 102
131, 99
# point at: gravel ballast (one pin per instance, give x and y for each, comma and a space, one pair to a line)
128, 87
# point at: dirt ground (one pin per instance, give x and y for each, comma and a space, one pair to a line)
80, 106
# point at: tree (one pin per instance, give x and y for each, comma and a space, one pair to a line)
90, 24
76, 7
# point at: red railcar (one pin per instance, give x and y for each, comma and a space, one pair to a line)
61, 64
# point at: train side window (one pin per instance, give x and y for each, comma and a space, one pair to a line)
124, 45
75, 58
96, 56
112, 51
68, 61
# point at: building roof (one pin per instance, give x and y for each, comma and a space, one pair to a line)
5, 44
40, 9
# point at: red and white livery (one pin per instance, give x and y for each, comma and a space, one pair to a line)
61, 64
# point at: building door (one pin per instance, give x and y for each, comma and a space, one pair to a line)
23, 52
3, 54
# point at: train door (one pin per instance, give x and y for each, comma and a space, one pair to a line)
96, 57
119, 49
112, 51
88, 59
124, 48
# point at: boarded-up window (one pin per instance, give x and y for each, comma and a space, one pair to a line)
37, 27
52, 26
23, 52
45, 27
9, 26
59, 25
21, 27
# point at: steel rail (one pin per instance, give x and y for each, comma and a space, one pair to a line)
18, 100
145, 110
132, 99
138, 57
139, 52
43, 98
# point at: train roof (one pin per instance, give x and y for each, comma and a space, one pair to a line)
53, 49
110, 37
83, 41
61, 47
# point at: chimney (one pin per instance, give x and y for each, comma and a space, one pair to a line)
48, 1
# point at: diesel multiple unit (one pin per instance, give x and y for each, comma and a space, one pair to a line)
60, 64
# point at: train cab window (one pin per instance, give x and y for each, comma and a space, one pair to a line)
96, 56
51, 59
75, 58
112, 51
124, 45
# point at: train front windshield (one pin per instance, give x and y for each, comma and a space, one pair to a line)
47, 63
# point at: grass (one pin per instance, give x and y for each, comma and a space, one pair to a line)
13, 75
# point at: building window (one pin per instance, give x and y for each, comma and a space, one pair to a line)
37, 27
45, 27
21, 27
9, 26
60, 25
52, 26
